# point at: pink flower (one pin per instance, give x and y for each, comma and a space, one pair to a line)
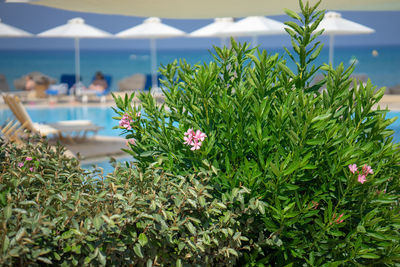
367, 170
194, 139
353, 168
31, 169
200, 136
339, 219
125, 122
196, 145
28, 159
131, 141
20, 164
138, 114
361, 179
188, 137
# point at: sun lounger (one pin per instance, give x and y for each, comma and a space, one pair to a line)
12, 132
73, 130
100, 95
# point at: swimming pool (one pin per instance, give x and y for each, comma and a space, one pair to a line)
101, 116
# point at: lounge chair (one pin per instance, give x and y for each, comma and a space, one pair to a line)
71, 130
12, 132
102, 95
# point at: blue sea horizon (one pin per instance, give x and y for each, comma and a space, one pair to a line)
384, 69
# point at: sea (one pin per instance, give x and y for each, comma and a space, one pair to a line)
382, 66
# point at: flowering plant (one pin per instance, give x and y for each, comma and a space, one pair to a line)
290, 140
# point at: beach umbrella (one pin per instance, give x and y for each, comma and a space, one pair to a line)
254, 26
192, 9
152, 29
214, 29
75, 28
10, 31
333, 24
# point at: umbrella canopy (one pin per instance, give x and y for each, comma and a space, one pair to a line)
214, 29
254, 26
206, 8
10, 31
152, 29
77, 29
333, 24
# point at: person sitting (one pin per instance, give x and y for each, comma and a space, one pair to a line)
29, 83
99, 84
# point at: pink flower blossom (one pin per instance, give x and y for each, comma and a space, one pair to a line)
28, 159
353, 168
138, 114
194, 139
367, 170
20, 164
131, 141
361, 178
31, 169
200, 136
339, 219
196, 145
125, 122
188, 138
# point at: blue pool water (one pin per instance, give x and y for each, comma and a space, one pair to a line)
101, 116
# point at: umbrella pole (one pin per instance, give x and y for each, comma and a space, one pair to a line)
77, 63
331, 40
153, 56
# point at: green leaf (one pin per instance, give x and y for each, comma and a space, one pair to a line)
292, 14
191, 228
97, 222
138, 250
102, 258
7, 212
370, 256
143, 239
6, 243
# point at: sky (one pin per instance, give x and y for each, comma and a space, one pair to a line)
36, 19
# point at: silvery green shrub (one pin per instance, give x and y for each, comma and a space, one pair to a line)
53, 212
320, 156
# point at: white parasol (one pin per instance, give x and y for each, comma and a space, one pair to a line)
333, 24
77, 29
255, 26
214, 29
10, 31
152, 29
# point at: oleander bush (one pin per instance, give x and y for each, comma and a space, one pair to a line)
320, 156
53, 212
